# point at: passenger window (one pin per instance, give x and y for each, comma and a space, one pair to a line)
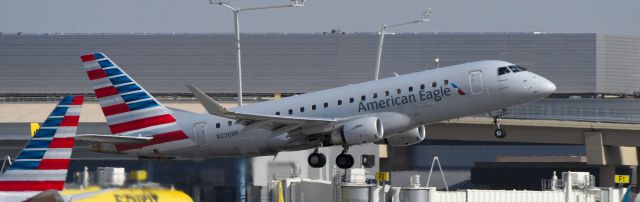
326, 105
277, 113
301, 109
229, 123
410, 88
313, 107
399, 91
350, 100
339, 102
502, 71
375, 95
446, 82
217, 125
363, 98
434, 84
421, 86
290, 111
386, 93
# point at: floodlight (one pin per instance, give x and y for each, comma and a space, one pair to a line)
236, 12
297, 2
219, 2
426, 16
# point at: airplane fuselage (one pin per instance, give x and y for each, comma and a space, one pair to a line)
401, 103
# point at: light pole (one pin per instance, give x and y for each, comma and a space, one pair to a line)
236, 14
426, 17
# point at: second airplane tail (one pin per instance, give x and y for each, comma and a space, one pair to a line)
43, 163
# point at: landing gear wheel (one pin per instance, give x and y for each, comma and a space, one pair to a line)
500, 133
317, 160
345, 161
351, 160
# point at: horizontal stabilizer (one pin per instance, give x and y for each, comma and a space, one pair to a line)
113, 138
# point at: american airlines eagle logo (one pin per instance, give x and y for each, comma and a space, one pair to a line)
460, 91
435, 94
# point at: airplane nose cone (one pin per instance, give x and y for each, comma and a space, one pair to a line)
546, 86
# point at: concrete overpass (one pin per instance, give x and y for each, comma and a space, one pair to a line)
606, 144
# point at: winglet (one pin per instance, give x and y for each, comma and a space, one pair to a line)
208, 103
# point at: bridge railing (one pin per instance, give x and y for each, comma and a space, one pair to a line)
573, 113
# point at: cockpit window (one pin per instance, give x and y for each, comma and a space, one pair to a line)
516, 68
503, 70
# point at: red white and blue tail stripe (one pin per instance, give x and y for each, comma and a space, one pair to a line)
43, 163
129, 109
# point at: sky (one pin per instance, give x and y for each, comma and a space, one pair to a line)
621, 17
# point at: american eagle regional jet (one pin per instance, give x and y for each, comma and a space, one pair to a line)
392, 111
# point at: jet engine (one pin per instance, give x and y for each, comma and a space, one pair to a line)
359, 131
406, 138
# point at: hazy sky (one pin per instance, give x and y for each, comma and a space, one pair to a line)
116, 16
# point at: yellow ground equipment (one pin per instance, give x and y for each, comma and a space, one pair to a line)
128, 194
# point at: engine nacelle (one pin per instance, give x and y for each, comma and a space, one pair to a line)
359, 131
406, 138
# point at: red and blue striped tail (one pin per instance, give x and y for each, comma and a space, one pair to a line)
130, 110
43, 163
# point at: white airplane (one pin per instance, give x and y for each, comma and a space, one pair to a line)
392, 110
43, 163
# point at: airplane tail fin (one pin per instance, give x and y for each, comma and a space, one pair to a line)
130, 110
43, 162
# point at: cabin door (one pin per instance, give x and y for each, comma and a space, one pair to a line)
200, 131
475, 82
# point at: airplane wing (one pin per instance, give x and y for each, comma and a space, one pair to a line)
306, 125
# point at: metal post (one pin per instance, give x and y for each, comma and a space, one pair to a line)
426, 17
236, 13
379, 57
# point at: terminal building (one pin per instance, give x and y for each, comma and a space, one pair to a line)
300, 63
37, 68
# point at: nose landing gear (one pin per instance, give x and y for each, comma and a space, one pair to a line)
344, 160
499, 132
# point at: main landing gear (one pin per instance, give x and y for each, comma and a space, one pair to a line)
317, 159
344, 160
499, 132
